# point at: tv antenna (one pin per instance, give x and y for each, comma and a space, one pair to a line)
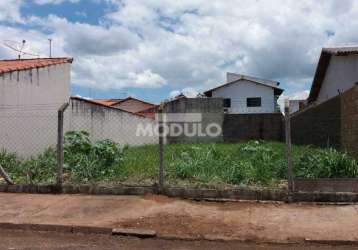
20, 47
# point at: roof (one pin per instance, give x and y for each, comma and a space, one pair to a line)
129, 104
107, 102
136, 99
268, 83
103, 105
25, 64
323, 64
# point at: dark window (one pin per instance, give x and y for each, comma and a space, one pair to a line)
227, 103
253, 102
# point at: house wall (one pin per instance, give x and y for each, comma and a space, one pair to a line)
341, 75
48, 86
108, 123
294, 106
242, 127
29, 100
349, 122
239, 91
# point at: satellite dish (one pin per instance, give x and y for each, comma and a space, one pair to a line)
21, 48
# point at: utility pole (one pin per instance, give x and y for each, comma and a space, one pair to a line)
50, 43
288, 146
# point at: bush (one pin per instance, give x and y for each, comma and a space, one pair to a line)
85, 161
326, 164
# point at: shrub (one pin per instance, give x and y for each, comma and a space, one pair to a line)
86, 161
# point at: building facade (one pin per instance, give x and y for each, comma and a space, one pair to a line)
247, 95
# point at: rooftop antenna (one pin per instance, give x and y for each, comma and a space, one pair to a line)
20, 47
50, 43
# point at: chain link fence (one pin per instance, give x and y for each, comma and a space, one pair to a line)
28, 138
175, 144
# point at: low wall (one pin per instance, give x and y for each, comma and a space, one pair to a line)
239, 127
188, 193
326, 184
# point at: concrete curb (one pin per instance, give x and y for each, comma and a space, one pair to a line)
143, 233
188, 193
56, 228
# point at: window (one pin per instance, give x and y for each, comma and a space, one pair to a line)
227, 103
253, 102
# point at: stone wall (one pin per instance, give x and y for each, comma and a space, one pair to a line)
241, 127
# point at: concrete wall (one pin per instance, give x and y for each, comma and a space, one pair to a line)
333, 123
29, 100
242, 127
209, 109
108, 123
239, 91
318, 125
341, 75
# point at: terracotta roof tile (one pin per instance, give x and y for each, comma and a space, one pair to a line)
107, 102
24, 64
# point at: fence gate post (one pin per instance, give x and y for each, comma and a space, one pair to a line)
288, 146
60, 140
161, 147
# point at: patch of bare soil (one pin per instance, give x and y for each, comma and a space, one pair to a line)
199, 227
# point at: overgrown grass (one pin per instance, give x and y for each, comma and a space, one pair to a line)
254, 163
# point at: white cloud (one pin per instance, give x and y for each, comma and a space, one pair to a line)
188, 92
149, 43
10, 11
41, 2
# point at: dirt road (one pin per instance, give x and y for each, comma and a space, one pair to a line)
46, 240
272, 222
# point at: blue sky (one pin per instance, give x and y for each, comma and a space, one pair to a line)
153, 49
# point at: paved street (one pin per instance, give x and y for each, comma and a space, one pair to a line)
48, 240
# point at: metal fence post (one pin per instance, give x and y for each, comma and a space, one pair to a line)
60, 140
288, 146
161, 147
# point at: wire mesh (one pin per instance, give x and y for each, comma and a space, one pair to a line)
28, 138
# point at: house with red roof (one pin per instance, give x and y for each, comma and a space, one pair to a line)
131, 104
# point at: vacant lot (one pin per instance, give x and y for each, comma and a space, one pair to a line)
254, 163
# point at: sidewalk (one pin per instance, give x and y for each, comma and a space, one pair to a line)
272, 222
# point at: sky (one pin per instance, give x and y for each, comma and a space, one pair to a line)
155, 49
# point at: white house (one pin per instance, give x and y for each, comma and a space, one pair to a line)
337, 71
245, 94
